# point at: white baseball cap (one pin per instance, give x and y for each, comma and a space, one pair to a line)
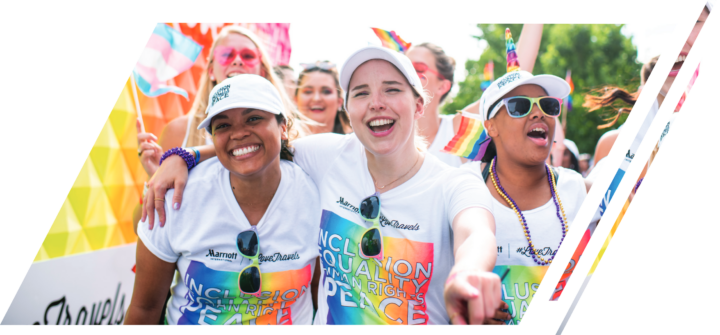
570, 145
243, 91
365, 54
553, 85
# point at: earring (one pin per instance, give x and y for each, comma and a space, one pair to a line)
212, 77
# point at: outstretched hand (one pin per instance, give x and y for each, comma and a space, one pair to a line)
472, 297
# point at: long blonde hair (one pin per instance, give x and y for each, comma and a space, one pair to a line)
197, 112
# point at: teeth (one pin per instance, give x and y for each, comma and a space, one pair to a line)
245, 150
380, 122
681, 58
539, 130
232, 74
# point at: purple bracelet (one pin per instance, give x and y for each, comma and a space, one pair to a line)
189, 159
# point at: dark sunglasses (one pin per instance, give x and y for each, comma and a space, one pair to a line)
249, 280
518, 107
371, 245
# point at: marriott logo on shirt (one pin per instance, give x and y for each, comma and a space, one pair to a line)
383, 220
221, 256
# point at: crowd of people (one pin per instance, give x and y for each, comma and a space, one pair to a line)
328, 199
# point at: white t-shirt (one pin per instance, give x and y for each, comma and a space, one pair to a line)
406, 287
444, 135
513, 253
201, 236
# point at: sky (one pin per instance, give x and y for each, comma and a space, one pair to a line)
313, 41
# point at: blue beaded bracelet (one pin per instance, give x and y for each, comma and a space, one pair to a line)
197, 155
189, 160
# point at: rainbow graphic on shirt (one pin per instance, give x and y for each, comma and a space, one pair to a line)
213, 297
390, 39
367, 291
471, 140
518, 287
512, 62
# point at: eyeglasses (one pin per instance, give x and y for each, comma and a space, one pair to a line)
421, 68
249, 280
327, 66
224, 55
371, 245
518, 107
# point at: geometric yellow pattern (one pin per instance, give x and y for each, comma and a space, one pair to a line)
97, 212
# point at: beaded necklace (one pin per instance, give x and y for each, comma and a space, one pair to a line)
558, 205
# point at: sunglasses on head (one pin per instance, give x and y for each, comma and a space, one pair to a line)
249, 280
518, 107
371, 244
224, 55
327, 66
421, 68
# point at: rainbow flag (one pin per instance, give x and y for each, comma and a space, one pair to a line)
391, 40
568, 100
471, 140
512, 62
167, 54
488, 75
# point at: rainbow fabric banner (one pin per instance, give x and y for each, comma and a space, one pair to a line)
512, 62
391, 40
471, 140
488, 75
167, 54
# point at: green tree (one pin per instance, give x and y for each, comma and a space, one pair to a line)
597, 54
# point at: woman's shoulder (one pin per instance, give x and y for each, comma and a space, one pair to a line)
568, 178
326, 144
174, 131
204, 173
296, 174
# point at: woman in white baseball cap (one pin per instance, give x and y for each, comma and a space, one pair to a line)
533, 203
239, 259
404, 238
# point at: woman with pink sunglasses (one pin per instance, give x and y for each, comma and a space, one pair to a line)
436, 70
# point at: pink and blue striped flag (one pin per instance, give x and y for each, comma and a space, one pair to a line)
167, 54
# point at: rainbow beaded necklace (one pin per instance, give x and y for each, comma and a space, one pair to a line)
558, 205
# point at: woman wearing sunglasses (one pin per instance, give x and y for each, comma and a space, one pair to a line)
533, 203
235, 50
436, 70
319, 97
243, 242
404, 238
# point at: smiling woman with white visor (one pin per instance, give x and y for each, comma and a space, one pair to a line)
242, 242
404, 238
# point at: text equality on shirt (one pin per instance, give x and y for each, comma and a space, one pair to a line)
368, 291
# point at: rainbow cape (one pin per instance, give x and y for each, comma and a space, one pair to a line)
512, 62
471, 140
391, 40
